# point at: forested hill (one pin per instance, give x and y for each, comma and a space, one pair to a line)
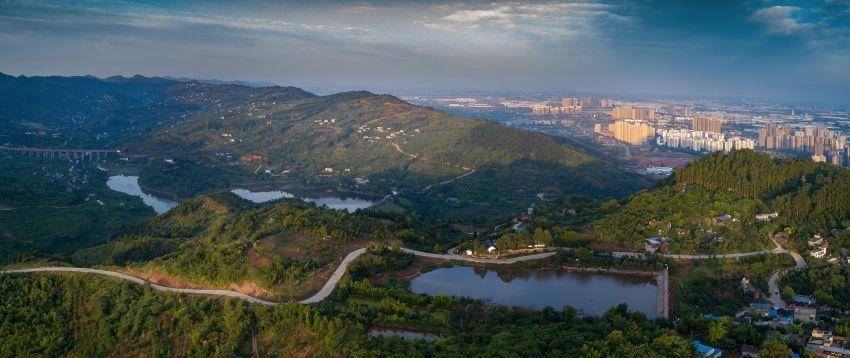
799, 189
331, 140
809, 198
85, 111
284, 250
218, 136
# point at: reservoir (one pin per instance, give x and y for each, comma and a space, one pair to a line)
130, 185
590, 293
351, 204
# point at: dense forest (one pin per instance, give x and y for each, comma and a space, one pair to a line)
42, 315
711, 205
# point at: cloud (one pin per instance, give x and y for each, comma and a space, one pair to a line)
781, 20
536, 21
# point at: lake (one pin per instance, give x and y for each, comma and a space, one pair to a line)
130, 185
590, 293
351, 204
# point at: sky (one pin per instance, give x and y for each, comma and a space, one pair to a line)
789, 51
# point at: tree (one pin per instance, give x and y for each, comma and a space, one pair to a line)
774, 348
542, 236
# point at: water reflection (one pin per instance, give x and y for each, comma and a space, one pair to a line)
350, 204
591, 293
130, 185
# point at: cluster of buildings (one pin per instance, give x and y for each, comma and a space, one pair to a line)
555, 110
568, 106
825, 344
638, 113
371, 135
701, 141
631, 131
823, 144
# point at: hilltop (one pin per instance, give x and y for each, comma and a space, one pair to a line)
438, 162
195, 137
285, 250
711, 205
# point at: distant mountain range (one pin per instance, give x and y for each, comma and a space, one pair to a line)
221, 135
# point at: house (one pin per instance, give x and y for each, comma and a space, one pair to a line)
817, 240
652, 244
706, 351
722, 218
819, 253
824, 344
749, 351
468, 252
803, 300
491, 248
766, 217
746, 286
761, 308
805, 314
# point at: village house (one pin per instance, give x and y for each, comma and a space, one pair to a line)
824, 344
766, 217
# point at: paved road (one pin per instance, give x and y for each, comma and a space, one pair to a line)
326, 290
777, 250
137, 280
453, 256
775, 296
337, 275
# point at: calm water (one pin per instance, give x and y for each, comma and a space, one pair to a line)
590, 293
130, 185
388, 332
334, 202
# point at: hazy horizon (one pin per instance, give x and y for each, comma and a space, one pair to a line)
776, 50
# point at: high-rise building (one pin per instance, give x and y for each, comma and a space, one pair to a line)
687, 111
671, 109
705, 124
623, 112
632, 112
632, 132
606, 103
570, 102
813, 140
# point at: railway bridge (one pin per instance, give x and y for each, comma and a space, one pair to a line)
90, 154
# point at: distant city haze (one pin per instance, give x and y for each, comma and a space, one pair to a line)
796, 53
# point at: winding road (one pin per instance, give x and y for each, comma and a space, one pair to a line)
326, 290
775, 296
337, 275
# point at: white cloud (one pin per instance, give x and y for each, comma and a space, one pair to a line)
548, 20
780, 20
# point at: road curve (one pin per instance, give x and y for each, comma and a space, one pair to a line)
326, 290
139, 281
775, 296
329, 286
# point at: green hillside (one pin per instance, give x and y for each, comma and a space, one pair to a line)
809, 198
331, 140
197, 137
285, 250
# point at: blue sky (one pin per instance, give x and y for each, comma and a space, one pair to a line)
797, 51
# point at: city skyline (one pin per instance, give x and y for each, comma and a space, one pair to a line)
785, 51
